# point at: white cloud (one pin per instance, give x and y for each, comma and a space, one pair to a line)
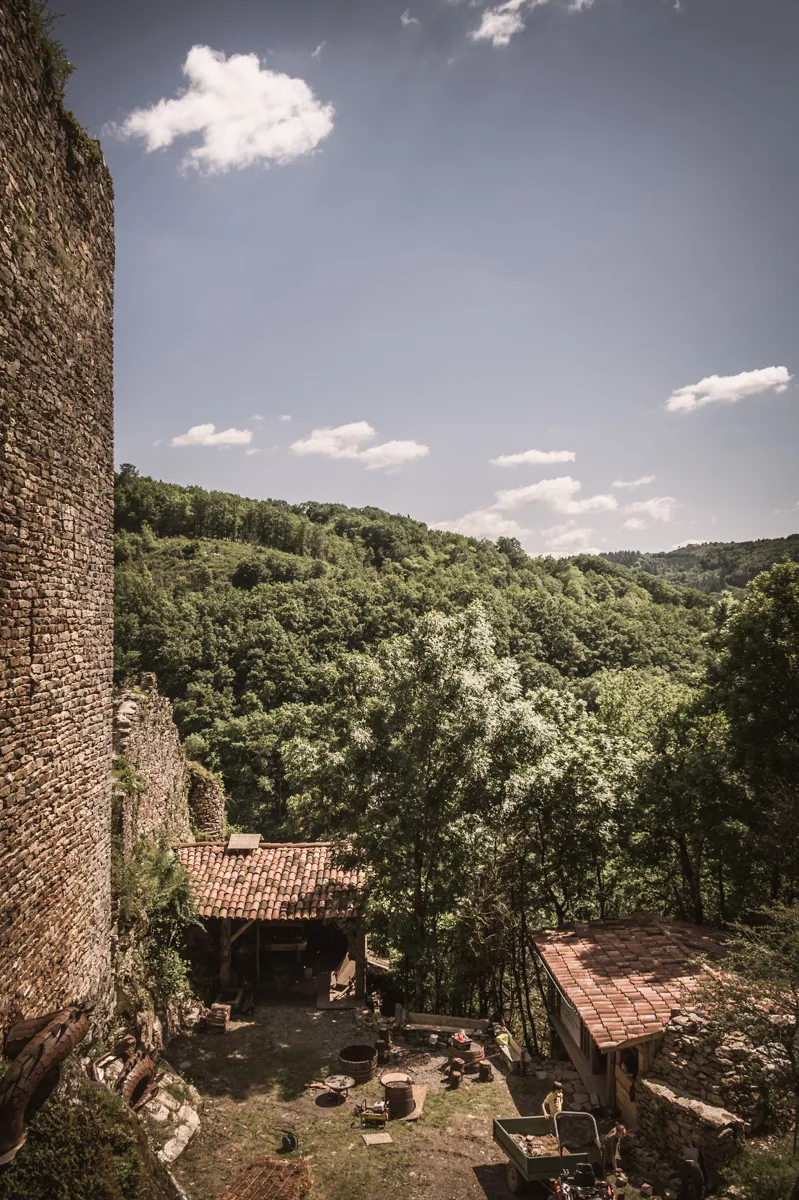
634, 483
252, 450
392, 454
284, 417
206, 435
245, 113
634, 523
317, 53
659, 508
533, 456
484, 523
728, 389
569, 538
343, 441
256, 417
499, 24
350, 441
557, 494
407, 19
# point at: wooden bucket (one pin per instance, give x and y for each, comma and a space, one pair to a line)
398, 1088
359, 1062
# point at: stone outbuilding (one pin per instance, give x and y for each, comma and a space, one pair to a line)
285, 916
615, 993
611, 988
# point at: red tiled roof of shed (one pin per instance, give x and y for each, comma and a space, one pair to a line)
625, 976
285, 881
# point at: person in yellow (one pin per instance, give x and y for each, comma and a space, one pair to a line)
553, 1103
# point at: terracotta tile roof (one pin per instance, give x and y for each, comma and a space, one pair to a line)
625, 976
277, 882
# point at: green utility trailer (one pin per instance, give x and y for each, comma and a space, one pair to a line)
578, 1141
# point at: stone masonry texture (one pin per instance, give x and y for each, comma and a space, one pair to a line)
146, 737
174, 798
56, 562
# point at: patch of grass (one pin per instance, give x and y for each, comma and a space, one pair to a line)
443, 1108
57, 66
57, 71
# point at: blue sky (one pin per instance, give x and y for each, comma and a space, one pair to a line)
441, 236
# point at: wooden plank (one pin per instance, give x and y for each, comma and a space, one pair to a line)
439, 1021
224, 952
244, 841
377, 1139
242, 930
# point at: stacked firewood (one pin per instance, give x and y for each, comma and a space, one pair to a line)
217, 1018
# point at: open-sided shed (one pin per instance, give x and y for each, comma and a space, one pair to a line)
293, 902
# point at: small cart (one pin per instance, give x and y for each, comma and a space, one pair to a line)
578, 1141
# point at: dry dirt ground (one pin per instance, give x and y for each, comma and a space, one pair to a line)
253, 1083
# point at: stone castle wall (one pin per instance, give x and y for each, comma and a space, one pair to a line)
157, 792
56, 562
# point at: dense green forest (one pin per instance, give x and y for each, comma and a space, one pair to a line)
712, 566
506, 740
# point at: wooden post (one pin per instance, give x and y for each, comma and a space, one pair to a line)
360, 963
610, 1079
224, 952
257, 957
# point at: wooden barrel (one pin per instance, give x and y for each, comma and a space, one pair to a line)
471, 1057
358, 1061
399, 1093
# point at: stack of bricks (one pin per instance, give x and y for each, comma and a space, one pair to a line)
56, 532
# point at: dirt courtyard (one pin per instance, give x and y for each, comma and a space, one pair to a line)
254, 1080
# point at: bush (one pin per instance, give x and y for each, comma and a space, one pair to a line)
81, 1145
154, 904
769, 1172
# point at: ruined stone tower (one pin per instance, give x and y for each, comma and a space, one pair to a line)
56, 526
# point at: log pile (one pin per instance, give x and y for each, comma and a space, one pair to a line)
537, 1147
217, 1018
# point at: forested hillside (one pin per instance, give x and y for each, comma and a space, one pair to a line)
504, 739
712, 566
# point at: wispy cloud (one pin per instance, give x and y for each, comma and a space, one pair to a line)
252, 450
351, 441
728, 389
569, 538
256, 417
206, 435
559, 495
536, 457
245, 113
284, 417
501, 22
634, 523
317, 53
407, 19
659, 508
484, 523
634, 483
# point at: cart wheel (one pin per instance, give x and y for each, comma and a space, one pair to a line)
516, 1184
